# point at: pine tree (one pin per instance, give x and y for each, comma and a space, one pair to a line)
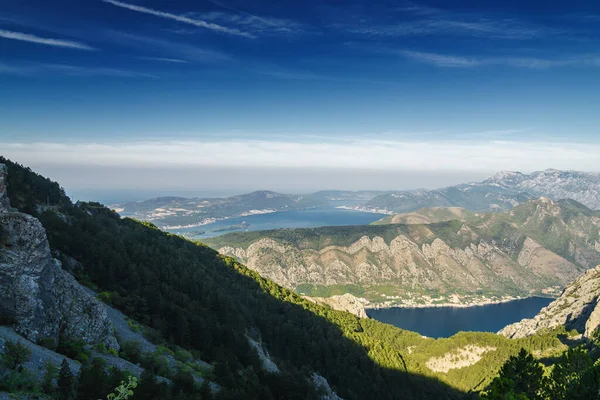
66, 382
521, 377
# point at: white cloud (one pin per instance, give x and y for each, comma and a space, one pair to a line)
253, 23
163, 59
25, 37
440, 60
179, 18
456, 61
352, 154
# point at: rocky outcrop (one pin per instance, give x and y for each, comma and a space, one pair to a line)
407, 262
538, 247
322, 385
345, 302
577, 308
4, 203
42, 299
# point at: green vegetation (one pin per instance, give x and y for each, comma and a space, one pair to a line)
575, 376
15, 354
207, 306
205, 303
328, 291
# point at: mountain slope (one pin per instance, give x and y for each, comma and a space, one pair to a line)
536, 248
427, 216
583, 187
174, 212
500, 192
578, 307
473, 197
241, 323
221, 311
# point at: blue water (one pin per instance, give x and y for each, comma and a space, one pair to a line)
311, 218
439, 322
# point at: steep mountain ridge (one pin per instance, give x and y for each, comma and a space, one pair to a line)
44, 301
536, 248
500, 192
578, 307
583, 187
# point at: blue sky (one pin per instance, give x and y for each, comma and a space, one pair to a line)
464, 86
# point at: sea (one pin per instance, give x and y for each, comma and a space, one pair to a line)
443, 322
308, 218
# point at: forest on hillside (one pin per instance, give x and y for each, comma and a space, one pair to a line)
193, 299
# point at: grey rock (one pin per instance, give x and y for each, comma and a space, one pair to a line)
4, 202
44, 300
345, 302
327, 393
577, 308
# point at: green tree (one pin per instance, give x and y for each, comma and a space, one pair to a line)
92, 380
50, 374
574, 377
15, 354
521, 377
66, 382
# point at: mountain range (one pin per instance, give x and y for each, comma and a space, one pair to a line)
535, 248
501, 192
193, 324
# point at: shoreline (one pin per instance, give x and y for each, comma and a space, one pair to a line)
372, 306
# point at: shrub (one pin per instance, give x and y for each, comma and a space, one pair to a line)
104, 297
15, 354
49, 343
18, 381
50, 374
132, 351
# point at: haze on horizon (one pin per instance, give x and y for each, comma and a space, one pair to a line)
155, 97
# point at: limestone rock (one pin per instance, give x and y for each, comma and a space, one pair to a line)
345, 302
44, 300
577, 308
4, 203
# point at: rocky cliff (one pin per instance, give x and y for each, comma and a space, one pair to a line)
577, 308
344, 302
538, 247
37, 295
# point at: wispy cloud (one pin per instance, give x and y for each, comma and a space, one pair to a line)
75, 70
506, 29
418, 20
349, 154
26, 37
455, 61
180, 18
258, 25
30, 69
440, 60
163, 59
174, 49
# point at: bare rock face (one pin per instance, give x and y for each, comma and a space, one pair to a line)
345, 302
44, 300
4, 203
408, 261
577, 308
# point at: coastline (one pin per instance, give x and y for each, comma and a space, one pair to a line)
375, 306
